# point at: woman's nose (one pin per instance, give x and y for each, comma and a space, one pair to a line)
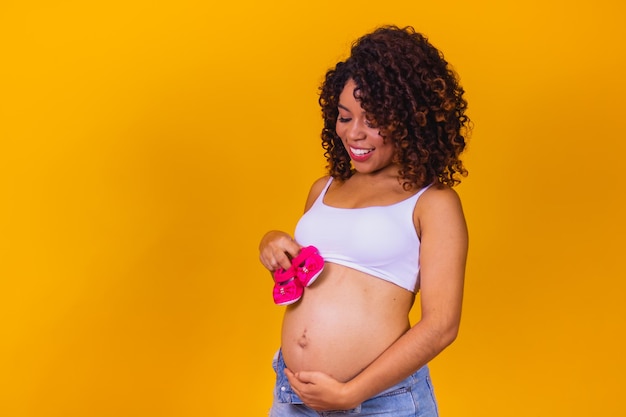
356, 130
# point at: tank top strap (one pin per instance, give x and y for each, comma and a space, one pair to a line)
420, 192
320, 197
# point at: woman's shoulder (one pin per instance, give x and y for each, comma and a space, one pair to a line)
441, 192
316, 189
321, 182
439, 210
319, 185
438, 199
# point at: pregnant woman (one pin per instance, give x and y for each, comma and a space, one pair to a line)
388, 226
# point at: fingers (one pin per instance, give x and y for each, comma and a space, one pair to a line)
273, 260
276, 250
305, 377
301, 379
295, 382
282, 260
315, 389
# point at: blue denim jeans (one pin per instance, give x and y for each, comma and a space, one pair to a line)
412, 397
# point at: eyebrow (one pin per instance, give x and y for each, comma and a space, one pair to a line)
341, 106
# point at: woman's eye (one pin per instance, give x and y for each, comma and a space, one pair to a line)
343, 119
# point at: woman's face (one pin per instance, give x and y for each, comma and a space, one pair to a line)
368, 150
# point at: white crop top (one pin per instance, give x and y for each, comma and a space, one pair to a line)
378, 240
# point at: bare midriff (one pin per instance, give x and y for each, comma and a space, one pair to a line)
344, 321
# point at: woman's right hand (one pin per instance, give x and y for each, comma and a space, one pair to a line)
277, 249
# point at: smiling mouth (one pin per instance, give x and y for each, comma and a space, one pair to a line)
360, 152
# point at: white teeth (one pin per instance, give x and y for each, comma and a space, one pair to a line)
359, 151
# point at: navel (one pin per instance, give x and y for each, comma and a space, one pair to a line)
303, 341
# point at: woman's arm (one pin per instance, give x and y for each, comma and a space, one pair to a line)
443, 251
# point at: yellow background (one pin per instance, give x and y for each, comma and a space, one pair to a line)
146, 146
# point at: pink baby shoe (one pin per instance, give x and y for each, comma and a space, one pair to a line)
308, 265
287, 288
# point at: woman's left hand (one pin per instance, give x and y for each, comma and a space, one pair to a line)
320, 391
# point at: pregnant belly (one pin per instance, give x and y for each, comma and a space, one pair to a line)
344, 321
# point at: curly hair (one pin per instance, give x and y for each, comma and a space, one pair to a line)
408, 90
